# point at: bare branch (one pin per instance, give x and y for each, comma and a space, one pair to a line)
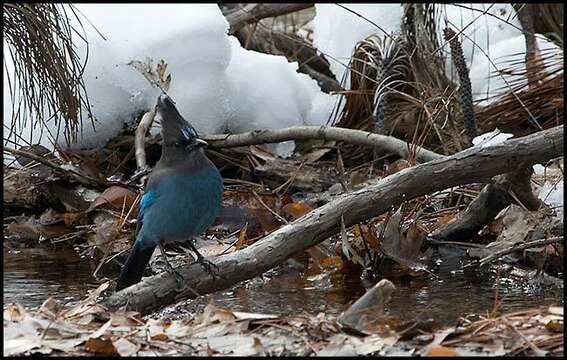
359, 137
254, 12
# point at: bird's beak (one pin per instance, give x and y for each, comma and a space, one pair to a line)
201, 142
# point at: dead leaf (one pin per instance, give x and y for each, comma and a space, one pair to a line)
332, 262
72, 218
50, 306
154, 76
296, 210
442, 351
160, 337
116, 198
369, 235
241, 239
555, 326
365, 314
213, 314
404, 250
100, 346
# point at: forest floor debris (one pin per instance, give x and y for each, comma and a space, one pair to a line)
88, 328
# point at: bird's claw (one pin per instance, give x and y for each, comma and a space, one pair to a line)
209, 267
178, 277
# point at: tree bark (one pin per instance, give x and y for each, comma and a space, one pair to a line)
476, 164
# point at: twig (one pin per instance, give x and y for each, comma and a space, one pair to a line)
490, 258
141, 131
85, 180
268, 208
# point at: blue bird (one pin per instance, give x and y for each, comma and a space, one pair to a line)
182, 197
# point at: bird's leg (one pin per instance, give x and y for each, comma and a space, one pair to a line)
209, 267
176, 274
170, 269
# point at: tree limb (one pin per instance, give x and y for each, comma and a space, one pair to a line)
475, 164
254, 12
506, 189
359, 137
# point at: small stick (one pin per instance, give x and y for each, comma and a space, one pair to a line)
141, 131
490, 258
85, 180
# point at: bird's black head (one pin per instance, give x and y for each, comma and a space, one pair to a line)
176, 132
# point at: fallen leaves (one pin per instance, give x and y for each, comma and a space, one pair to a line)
117, 198
58, 329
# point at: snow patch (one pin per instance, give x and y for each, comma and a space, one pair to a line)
218, 86
491, 138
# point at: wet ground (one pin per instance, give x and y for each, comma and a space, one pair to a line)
32, 275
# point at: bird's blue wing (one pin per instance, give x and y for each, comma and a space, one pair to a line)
147, 200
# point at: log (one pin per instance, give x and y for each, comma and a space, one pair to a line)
358, 137
472, 165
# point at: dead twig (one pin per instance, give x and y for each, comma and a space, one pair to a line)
531, 244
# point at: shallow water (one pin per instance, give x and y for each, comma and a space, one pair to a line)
32, 275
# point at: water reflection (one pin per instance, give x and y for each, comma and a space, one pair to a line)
32, 275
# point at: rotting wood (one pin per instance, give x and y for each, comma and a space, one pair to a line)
475, 164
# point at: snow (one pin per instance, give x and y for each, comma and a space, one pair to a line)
491, 138
496, 35
217, 85
336, 30
552, 194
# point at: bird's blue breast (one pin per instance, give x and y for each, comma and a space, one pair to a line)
180, 206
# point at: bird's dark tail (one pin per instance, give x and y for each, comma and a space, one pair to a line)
135, 266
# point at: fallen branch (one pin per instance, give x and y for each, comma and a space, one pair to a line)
250, 13
472, 165
531, 244
358, 137
506, 189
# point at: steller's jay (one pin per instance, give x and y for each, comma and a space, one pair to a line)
182, 197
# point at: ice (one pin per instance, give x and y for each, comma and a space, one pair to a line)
216, 84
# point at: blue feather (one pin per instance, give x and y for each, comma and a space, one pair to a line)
146, 201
